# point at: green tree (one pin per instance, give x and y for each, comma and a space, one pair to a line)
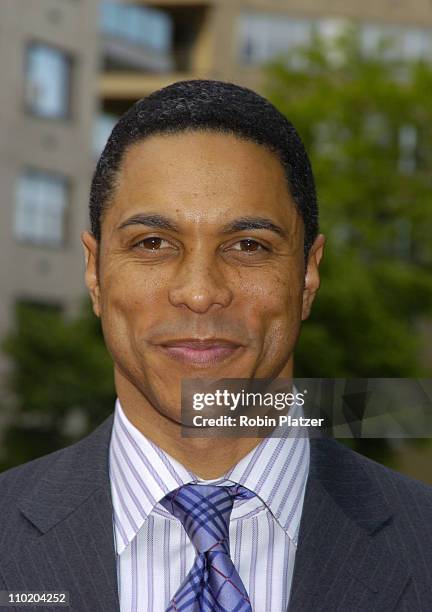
367, 125
61, 383
366, 122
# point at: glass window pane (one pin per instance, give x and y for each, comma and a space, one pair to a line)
40, 207
47, 81
398, 42
262, 36
140, 25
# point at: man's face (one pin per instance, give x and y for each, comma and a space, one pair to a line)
201, 265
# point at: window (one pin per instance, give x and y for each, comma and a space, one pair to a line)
396, 42
41, 202
263, 36
47, 87
135, 38
138, 24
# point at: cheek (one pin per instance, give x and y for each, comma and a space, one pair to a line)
275, 314
272, 299
129, 305
127, 286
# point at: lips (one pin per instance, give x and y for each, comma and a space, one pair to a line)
200, 352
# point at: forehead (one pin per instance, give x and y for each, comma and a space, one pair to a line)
201, 175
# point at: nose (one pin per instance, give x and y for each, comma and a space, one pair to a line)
199, 284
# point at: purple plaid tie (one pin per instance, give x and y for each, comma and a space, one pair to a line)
213, 584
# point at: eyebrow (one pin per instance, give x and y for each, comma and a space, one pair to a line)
238, 225
150, 220
253, 223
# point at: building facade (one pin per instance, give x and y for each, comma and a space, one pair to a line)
48, 95
230, 39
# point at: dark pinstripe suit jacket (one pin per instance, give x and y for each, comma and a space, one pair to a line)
365, 538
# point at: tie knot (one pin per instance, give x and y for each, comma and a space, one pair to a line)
204, 511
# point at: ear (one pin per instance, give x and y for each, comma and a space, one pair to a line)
312, 279
91, 247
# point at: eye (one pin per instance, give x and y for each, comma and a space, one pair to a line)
247, 245
153, 243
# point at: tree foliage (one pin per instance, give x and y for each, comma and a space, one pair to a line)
61, 382
366, 122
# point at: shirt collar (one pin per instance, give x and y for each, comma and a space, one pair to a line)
141, 474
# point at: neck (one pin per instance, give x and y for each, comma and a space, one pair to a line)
206, 457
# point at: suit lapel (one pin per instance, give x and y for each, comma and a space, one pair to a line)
73, 549
344, 561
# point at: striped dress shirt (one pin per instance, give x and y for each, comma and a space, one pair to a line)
153, 551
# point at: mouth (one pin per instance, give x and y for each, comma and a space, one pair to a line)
200, 352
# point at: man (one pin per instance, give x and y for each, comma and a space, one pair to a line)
202, 262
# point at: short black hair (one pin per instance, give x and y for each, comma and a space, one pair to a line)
205, 105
